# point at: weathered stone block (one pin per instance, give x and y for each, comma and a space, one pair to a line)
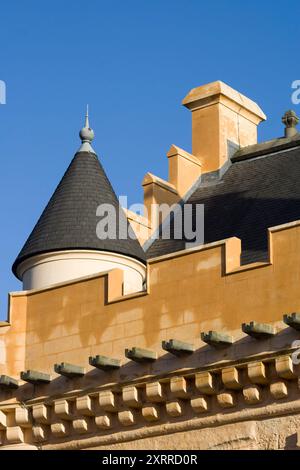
22, 417
174, 408
284, 367
258, 331
104, 363
252, 394
63, 409
107, 401
80, 425
131, 397
257, 372
8, 382
126, 418
292, 320
70, 371
41, 413
150, 413
34, 377
278, 390
39, 433
85, 406
178, 348
179, 387
154, 392
14, 435
103, 422
216, 339
140, 355
226, 399
59, 429
231, 378
199, 404
206, 383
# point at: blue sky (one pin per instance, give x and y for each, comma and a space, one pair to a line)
133, 61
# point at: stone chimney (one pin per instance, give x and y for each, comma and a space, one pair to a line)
222, 121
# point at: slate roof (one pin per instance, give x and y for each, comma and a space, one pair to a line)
260, 189
69, 220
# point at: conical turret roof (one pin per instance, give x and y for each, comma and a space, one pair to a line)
69, 220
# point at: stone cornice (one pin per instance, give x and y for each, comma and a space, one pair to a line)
252, 389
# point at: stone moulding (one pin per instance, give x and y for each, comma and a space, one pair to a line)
250, 390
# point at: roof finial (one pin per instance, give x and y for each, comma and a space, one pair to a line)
86, 135
87, 124
290, 119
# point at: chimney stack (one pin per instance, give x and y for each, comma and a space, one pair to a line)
290, 120
222, 120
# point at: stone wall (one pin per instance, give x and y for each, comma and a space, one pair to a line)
244, 395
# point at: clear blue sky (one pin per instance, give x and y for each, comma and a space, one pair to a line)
133, 61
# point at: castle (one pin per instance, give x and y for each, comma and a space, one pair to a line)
147, 342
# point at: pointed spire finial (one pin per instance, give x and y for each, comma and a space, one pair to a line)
86, 135
87, 124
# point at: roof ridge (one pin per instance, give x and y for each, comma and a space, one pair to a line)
265, 148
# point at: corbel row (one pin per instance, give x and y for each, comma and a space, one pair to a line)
204, 392
218, 340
